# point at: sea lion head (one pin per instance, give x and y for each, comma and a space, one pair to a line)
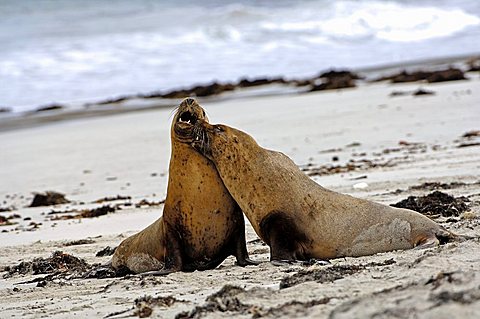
216, 140
188, 113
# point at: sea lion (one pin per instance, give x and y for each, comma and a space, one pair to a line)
300, 219
142, 252
201, 223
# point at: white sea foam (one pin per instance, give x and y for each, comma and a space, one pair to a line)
388, 21
64, 51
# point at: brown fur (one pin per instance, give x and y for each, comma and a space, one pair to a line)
298, 218
143, 251
201, 223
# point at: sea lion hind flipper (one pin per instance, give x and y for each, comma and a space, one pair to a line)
309, 262
107, 271
284, 237
427, 242
160, 272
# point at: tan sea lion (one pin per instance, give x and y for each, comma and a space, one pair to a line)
300, 219
201, 223
142, 252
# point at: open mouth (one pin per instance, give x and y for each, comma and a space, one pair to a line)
185, 126
187, 117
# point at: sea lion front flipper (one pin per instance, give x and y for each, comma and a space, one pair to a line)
242, 255
173, 251
248, 262
240, 244
284, 237
244, 260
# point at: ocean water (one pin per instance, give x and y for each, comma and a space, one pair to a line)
70, 50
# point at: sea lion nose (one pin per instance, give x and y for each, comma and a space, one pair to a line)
189, 101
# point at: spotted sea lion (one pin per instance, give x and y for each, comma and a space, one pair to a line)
300, 219
201, 223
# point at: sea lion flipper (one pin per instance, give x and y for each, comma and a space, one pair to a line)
283, 236
240, 244
248, 262
438, 237
107, 271
161, 272
174, 252
427, 242
310, 262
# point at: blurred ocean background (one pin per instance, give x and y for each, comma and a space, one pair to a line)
67, 50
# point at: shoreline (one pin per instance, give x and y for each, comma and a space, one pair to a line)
136, 103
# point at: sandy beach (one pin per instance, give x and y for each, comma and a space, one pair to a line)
362, 141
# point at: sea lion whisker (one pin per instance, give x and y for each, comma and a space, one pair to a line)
205, 143
196, 133
196, 130
173, 112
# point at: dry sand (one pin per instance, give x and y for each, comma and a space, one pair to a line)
128, 155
